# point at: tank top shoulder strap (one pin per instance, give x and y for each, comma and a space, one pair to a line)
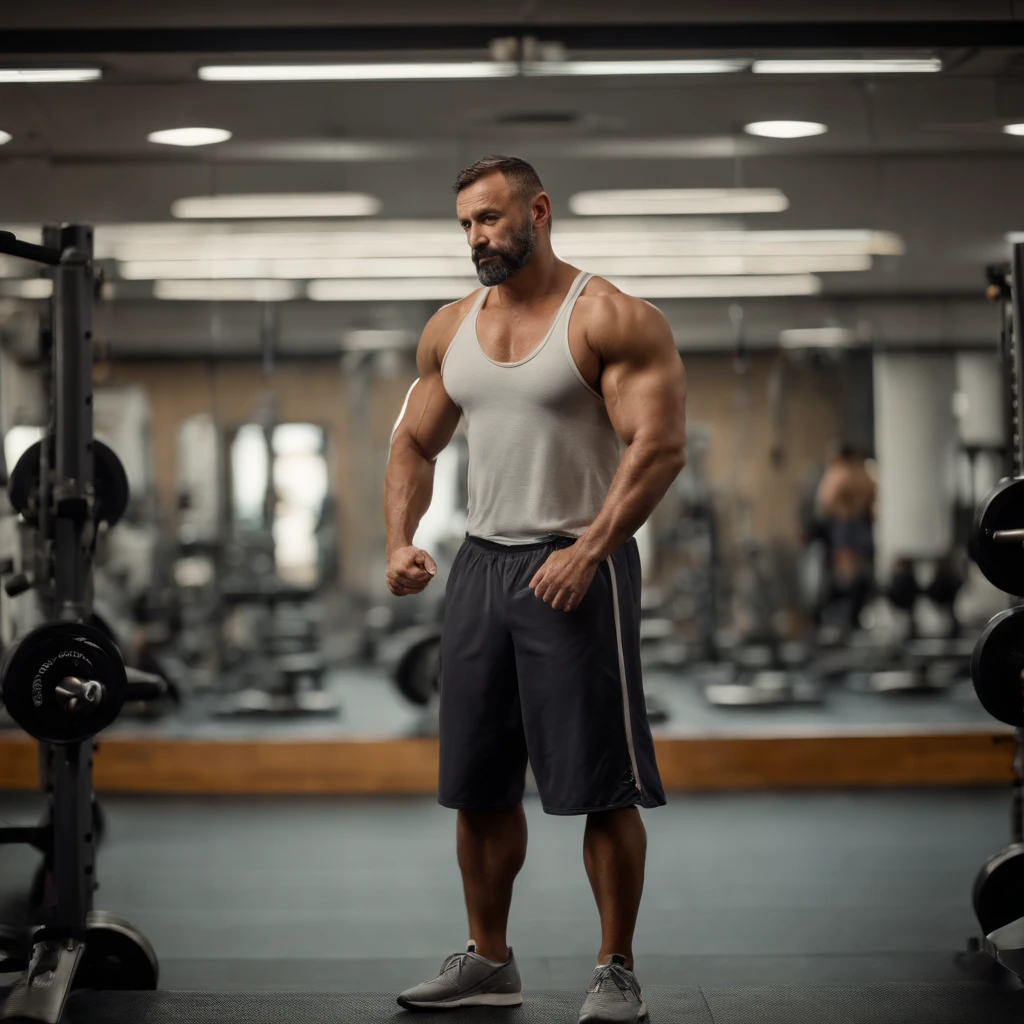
574, 291
565, 312
481, 297
466, 326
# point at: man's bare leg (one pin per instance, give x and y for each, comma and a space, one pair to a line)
615, 853
492, 849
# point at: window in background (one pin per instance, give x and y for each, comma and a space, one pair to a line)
18, 440
249, 475
295, 466
300, 485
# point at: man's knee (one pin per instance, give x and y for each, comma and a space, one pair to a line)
623, 817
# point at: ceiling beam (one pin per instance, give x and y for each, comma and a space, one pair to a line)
611, 37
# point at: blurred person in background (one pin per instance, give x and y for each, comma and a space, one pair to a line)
573, 395
845, 503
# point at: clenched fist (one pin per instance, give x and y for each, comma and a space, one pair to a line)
409, 571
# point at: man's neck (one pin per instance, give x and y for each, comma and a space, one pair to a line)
539, 278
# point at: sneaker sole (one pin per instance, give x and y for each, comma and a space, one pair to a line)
641, 1017
484, 999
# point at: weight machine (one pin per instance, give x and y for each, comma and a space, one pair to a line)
283, 669
997, 665
65, 681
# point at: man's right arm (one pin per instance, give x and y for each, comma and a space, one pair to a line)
828, 493
428, 421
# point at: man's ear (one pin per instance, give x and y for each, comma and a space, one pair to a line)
540, 207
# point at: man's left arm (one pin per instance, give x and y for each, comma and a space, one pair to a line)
644, 387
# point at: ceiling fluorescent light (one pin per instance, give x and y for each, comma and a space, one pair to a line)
633, 67
255, 207
5, 137
426, 289
227, 291
1013, 129
818, 337
334, 150
718, 287
398, 240
451, 267
722, 266
193, 270
641, 287
785, 129
357, 72
896, 65
33, 75
301, 269
189, 136
699, 147
677, 201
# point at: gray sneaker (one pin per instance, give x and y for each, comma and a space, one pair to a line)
614, 995
467, 979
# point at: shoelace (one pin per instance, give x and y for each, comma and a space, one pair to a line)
625, 981
455, 958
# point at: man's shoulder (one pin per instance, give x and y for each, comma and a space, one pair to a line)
454, 312
441, 327
609, 310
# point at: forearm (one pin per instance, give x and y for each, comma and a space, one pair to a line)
644, 475
408, 488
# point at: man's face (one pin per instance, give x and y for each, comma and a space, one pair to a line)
499, 229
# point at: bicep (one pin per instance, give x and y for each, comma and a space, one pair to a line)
429, 418
825, 497
644, 382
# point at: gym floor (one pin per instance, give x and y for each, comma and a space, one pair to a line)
354, 895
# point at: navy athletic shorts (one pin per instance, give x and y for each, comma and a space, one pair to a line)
522, 681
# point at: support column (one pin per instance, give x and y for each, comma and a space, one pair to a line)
980, 397
915, 444
979, 406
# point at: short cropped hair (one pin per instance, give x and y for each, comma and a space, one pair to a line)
523, 179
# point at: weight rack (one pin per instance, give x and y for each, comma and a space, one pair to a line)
997, 664
64, 681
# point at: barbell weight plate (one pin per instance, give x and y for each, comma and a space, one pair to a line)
999, 889
110, 484
40, 660
903, 590
418, 672
1002, 564
23, 484
117, 956
997, 665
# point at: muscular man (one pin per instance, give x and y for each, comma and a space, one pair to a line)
846, 502
573, 399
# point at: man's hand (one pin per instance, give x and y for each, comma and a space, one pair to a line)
409, 571
564, 578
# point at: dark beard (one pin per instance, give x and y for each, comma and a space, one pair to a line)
510, 260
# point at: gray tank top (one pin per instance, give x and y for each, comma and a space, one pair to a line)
542, 451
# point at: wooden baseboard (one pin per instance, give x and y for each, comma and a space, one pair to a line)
842, 761
409, 766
